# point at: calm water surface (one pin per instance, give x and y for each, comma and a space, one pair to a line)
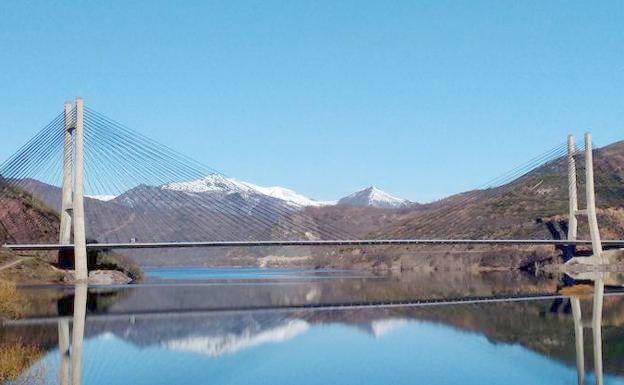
257, 326
241, 273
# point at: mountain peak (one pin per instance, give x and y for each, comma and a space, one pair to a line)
374, 197
218, 183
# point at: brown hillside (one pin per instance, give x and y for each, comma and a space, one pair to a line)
25, 219
533, 206
522, 208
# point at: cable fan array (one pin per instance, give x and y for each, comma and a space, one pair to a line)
138, 190
511, 206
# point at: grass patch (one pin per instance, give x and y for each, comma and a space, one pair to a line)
15, 358
32, 270
11, 300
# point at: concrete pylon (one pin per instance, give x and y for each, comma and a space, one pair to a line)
80, 234
590, 198
572, 191
66, 204
72, 207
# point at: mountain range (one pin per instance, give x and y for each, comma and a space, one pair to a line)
218, 183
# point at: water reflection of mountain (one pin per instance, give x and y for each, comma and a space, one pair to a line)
215, 345
543, 326
221, 333
218, 335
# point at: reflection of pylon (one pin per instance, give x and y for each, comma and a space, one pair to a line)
596, 326
590, 194
70, 368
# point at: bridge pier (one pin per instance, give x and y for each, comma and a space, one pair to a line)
590, 197
591, 201
572, 191
66, 203
72, 206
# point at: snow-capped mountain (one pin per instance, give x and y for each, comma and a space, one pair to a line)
374, 197
217, 183
103, 198
210, 183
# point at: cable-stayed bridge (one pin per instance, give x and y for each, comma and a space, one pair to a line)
117, 189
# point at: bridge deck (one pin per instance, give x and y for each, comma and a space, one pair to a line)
352, 242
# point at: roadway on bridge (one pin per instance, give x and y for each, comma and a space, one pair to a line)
353, 242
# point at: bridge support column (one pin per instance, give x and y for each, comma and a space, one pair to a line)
572, 191
591, 200
597, 257
72, 208
80, 236
66, 205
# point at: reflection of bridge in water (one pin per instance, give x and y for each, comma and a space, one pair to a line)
71, 330
79, 125
596, 328
595, 325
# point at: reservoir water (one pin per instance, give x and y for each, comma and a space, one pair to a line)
272, 326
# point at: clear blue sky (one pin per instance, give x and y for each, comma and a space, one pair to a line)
421, 98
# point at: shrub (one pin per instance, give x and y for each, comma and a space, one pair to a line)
10, 299
15, 358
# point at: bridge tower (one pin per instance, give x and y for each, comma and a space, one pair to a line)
72, 206
590, 198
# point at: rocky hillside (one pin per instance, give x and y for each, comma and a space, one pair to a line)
25, 219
